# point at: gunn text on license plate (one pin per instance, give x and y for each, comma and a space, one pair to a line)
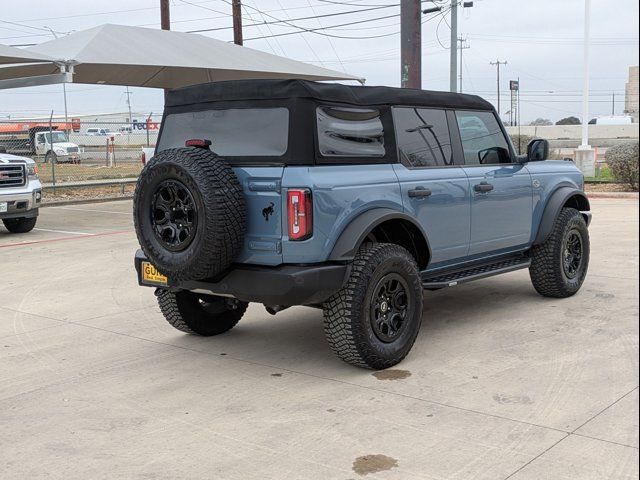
151, 276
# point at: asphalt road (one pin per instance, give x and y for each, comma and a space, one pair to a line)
501, 383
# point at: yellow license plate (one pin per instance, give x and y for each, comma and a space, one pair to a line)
151, 275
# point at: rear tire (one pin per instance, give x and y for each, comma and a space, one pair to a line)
20, 225
559, 266
373, 321
203, 315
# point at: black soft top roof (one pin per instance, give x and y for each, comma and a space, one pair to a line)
327, 92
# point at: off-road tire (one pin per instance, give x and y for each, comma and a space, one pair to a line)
546, 270
186, 312
347, 314
219, 208
20, 225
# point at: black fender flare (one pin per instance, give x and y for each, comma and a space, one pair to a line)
357, 230
552, 209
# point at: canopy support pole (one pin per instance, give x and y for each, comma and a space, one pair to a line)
65, 76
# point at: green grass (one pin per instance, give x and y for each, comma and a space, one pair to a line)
603, 175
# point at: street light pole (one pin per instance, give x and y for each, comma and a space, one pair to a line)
165, 24
453, 49
585, 76
64, 92
586, 156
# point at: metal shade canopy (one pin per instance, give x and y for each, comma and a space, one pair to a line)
16, 55
144, 57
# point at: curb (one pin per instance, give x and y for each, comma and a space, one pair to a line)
58, 203
627, 195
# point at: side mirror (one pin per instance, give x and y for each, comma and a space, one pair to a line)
537, 150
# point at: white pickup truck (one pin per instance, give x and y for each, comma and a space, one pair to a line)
20, 192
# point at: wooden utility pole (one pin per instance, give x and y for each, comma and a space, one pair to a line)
497, 64
237, 22
165, 17
410, 44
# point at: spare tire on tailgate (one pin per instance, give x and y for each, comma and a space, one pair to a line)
189, 213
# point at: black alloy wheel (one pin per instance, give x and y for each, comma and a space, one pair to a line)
173, 215
572, 252
390, 307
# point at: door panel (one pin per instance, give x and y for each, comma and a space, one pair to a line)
434, 190
501, 191
501, 217
444, 214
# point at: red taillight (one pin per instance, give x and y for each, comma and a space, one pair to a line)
143, 158
198, 142
300, 213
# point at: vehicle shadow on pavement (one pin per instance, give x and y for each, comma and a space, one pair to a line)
294, 338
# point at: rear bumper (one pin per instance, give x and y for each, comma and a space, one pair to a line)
283, 285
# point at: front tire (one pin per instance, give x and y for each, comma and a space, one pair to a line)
20, 225
559, 266
204, 315
51, 157
373, 321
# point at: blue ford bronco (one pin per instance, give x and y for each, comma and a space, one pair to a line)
350, 199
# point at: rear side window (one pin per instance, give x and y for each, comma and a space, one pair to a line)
234, 132
482, 139
423, 137
350, 132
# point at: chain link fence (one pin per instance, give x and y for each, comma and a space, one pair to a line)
80, 153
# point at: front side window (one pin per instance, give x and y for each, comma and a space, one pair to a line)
350, 132
482, 139
234, 132
423, 137
58, 137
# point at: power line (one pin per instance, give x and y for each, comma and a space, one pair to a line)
333, 47
317, 31
42, 29
276, 21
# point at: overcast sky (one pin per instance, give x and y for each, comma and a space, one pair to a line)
540, 40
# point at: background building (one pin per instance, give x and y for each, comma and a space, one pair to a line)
632, 93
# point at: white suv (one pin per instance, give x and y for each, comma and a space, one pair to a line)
20, 193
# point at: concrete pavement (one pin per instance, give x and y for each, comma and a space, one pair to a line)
501, 383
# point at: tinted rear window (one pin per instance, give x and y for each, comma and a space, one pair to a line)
234, 132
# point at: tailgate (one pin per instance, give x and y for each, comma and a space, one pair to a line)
262, 190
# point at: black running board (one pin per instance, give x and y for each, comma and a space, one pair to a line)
450, 278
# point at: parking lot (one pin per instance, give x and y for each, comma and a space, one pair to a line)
501, 383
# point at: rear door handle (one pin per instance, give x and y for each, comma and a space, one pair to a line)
483, 187
419, 192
